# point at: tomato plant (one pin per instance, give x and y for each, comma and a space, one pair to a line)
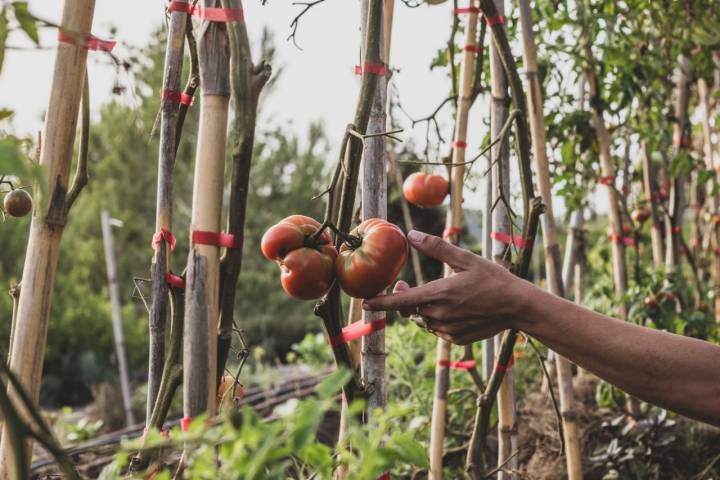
369, 266
425, 190
306, 259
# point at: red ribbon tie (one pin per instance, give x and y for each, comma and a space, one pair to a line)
607, 180
177, 97
208, 13
174, 280
459, 365
375, 68
216, 239
459, 144
89, 42
508, 239
505, 368
451, 231
473, 48
497, 20
185, 423
460, 11
164, 235
357, 330
627, 241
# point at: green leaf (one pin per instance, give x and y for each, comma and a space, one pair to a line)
27, 21
5, 113
333, 383
410, 450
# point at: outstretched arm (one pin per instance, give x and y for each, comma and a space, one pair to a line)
482, 299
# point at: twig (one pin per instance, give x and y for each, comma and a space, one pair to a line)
81, 173
296, 21
501, 467
556, 408
193, 81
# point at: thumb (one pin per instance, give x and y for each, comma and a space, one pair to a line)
401, 286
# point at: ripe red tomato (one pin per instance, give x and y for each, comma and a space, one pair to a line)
307, 268
425, 190
370, 268
17, 203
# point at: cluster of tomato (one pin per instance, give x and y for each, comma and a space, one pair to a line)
367, 263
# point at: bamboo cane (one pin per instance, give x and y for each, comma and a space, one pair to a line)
681, 137
169, 113
507, 427
714, 202
552, 249
203, 270
374, 205
488, 345
454, 221
652, 193
49, 215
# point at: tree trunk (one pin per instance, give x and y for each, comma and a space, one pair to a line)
552, 249
454, 221
169, 113
203, 271
49, 215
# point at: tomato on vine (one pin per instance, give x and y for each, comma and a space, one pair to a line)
17, 203
425, 189
306, 259
371, 259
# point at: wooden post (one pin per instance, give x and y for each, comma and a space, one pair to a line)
107, 223
49, 214
453, 223
169, 113
374, 205
714, 202
203, 270
552, 249
681, 139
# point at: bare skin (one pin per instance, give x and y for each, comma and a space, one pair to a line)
482, 299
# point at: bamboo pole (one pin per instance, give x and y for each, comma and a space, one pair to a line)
169, 113
488, 345
116, 317
454, 221
49, 214
714, 202
652, 193
203, 270
374, 205
681, 139
553, 271
507, 427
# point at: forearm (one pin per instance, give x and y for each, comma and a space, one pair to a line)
671, 371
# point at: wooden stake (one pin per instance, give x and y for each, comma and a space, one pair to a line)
202, 290
454, 220
49, 215
652, 193
552, 249
116, 317
374, 205
169, 113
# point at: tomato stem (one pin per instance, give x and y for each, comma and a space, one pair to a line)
352, 240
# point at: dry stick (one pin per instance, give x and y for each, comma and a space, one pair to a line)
169, 112
247, 81
15, 294
681, 138
454, 221
574, 260
552, 249
532, 208
652, 194
407, 219
341, 194
49, 217
374, 205
203, 271
501, 223
714, 201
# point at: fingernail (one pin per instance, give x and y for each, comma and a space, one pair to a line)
415, 236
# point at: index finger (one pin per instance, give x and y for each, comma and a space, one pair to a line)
403, 300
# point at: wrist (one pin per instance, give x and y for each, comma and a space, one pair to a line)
524, 298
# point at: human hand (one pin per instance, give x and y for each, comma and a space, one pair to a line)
479, 300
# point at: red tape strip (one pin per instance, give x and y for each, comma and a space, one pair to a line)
216, 239
498, 20
375, 68
357, 330
609, 180
508, 239
459, 365
451, 231
177, 97
460, 11
174, 280
384, 476
627, 241
210, 14
185, 423
164, 235
473, 48
89, 42
676, 229
459, 144
505, 368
